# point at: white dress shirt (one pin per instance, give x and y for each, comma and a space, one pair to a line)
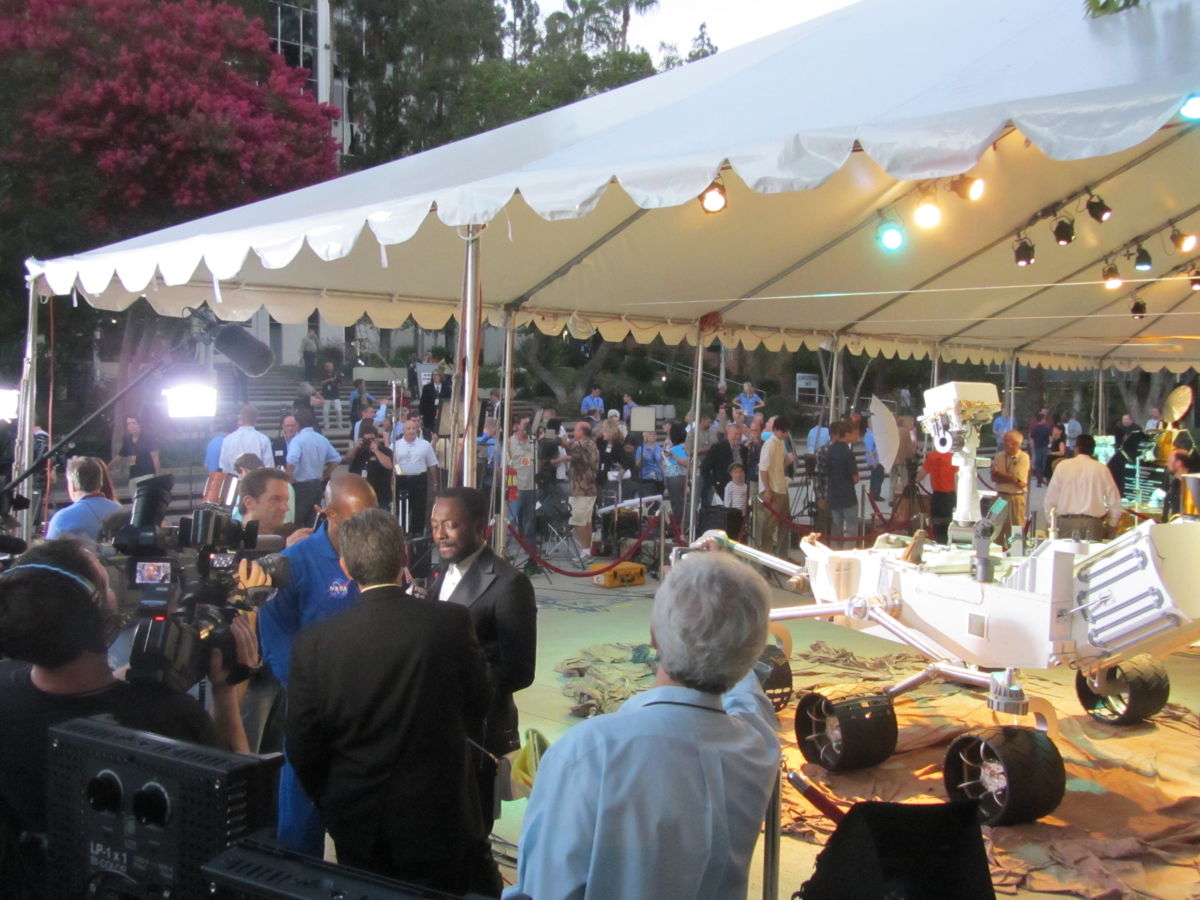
455, 573
1082, 486
246, 439
413, 457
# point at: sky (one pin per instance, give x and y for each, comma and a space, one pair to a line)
730, 22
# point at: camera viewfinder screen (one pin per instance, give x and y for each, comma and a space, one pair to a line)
223, 560
153, 572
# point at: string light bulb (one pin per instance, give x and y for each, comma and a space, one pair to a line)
1184, 243
1112, 276
1098, 209
968, 188
889, 234
713, 199
1064, 230
1137, 309
927, 214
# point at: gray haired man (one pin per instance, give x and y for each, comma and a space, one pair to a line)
703, 736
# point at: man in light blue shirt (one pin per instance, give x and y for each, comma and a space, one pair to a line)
818, 437
592, 406
89, 507
666, 797
311, 459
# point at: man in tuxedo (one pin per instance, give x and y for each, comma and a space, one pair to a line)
502, 607
379, 739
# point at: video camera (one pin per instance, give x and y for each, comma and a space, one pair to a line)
177, 627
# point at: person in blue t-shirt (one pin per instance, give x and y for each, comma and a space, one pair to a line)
592, 405
317, 589
89, 507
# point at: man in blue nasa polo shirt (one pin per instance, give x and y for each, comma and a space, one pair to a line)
317, 589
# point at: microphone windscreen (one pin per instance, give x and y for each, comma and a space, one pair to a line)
244, 350
12, 546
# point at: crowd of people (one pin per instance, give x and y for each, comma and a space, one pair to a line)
394, 752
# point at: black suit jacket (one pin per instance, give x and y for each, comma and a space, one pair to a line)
503, 609
381, 699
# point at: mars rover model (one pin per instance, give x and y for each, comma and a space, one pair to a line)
1105, 610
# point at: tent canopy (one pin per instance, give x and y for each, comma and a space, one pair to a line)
592, 220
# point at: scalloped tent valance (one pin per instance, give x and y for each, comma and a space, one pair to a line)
590, 209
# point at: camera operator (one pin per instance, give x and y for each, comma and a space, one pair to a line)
56, 620
372, 459
264, 499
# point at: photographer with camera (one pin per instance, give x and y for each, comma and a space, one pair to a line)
56, 620
371, 458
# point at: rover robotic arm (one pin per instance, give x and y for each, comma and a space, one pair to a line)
954, 414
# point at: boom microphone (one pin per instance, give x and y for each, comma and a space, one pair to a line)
242, 348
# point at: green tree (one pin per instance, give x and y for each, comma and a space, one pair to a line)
409, 61
581, 26
702, 45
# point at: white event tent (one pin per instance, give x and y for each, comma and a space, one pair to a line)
587, 216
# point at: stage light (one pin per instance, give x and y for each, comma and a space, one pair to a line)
713, 199
1141, 260
191, 401
1195, 279
927, 214
890, 235
1023, 251
1191, 107
10, 399
1112, 276
1098, 209
1138, 308
967, 187
1184, 243
1064, 230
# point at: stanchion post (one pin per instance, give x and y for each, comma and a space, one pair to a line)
770, 880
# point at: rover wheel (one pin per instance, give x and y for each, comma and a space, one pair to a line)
1016, 774
1132, 691
847, 734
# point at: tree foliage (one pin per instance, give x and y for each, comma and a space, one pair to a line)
408, 62
122, 115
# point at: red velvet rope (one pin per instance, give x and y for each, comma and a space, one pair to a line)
651, 524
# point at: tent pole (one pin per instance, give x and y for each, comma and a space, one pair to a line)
1101, 405
27, 409
501, 463
937, 369
1010, 390
693, 503
469, 343
835, 376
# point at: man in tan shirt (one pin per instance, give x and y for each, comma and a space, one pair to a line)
1010, 474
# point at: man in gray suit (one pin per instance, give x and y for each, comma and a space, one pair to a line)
503, 610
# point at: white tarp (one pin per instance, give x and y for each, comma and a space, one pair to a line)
591, 209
